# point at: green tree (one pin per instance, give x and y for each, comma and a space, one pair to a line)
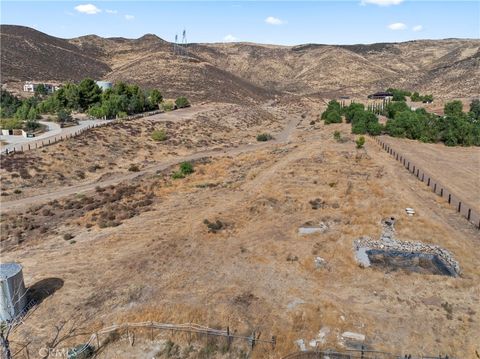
41, 90
22, 111
333, 117
475, 109
352, 109
453, 108
32, 113
89, 93
64, 116
69, 96
394, 107
155, 98
8, 104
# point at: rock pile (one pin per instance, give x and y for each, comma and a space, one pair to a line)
388, 242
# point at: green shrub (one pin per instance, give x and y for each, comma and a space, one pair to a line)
337, 136
186, 168
333, 117
360, 141
133, 168
67, 236
64, 115
11, 124
182, 102
168, 106
177, 175
159, 135
263, 137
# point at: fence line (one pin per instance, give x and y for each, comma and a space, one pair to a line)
94, 339
35, 144
355, 354
438, 188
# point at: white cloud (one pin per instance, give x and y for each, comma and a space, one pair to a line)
417, 28
229, 38
89, 9
397, 26
111, 11
129, 17
274, 21
381, 2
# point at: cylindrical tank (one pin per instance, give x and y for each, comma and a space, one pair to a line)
13, 296
104, 85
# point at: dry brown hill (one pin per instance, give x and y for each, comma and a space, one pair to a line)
28, 54
243, 71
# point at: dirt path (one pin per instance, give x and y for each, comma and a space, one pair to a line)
19, 204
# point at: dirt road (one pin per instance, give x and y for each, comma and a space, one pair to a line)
20, 204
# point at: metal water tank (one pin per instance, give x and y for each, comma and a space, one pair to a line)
104, 85
13, 296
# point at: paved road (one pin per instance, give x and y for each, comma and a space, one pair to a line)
54, 131
22, 203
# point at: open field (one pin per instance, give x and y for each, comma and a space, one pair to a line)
140, 250
104, 152
109, 231
456, 167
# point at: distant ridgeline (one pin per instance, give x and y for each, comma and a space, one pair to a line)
455, 128
118, 101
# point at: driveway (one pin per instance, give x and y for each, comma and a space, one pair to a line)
53, 133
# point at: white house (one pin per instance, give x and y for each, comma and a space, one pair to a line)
31, 86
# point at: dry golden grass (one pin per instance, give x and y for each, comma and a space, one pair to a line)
165, 265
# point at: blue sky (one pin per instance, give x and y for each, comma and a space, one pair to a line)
274, 22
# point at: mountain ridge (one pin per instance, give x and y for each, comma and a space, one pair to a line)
243, 72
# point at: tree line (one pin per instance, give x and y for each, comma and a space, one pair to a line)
401, 95
454, 128
86, 97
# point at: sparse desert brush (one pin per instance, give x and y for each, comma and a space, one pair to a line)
133, 168
185, 169
360, 141
168, 106
159, 135
214, 227
337, 136
263, 137
182, 102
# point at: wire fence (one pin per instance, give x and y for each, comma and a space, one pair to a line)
438, 188
100, 338
356, 354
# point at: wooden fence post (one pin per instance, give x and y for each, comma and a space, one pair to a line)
459, 206
449, 198
228, 338
469, 213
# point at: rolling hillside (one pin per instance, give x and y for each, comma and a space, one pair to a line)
244, 72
